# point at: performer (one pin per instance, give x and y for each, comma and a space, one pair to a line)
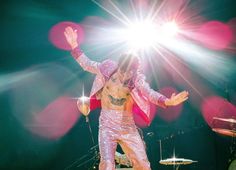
121, 88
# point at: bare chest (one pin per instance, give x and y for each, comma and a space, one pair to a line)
116, 95
116, 87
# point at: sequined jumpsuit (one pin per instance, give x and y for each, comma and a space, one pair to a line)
118, 127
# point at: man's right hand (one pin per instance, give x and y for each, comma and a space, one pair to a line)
83, 104
84, 109
71, 37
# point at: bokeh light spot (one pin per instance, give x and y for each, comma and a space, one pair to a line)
215, 35
215, 107
57, 37
56, 119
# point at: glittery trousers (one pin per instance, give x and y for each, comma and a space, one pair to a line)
115, 127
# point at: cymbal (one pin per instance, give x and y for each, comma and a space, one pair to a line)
225, 120
176, 161
226, 132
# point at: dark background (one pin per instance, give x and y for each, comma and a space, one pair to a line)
24, 44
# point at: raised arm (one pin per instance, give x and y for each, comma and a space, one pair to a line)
155, 97
87, 64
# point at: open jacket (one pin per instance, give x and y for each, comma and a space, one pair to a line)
141, 92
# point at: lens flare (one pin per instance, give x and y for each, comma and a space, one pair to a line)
56, 119
170, 29
144, 35
215, 35
141, 35
216, 107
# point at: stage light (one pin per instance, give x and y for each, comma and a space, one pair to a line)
141, 35
167, 32
144, 35
170, 29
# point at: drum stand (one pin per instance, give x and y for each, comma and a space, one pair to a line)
92, 155
232, 160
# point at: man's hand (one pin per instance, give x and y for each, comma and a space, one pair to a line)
177, 99
71, 37
83, 105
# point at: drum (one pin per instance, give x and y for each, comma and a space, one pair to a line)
223, 126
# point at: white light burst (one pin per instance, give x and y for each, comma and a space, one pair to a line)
144, 35
141, 35
170, 29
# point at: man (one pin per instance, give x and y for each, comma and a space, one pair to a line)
122, 89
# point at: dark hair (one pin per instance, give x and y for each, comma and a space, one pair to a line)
128, 61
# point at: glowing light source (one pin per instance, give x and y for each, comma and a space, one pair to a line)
141, 35
83, 105
145, 34
84, 99
170, 29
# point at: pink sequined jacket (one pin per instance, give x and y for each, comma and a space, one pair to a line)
141, 92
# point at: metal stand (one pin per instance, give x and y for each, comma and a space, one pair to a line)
92, 155
233, 149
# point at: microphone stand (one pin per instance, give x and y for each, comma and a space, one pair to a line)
94, 148
92, 155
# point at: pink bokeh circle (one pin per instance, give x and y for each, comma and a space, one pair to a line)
215, 35
56, 119
215, 108
57, 37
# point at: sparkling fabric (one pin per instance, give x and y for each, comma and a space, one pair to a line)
76, 53
118, 127
107, 68
141, 92
151, 95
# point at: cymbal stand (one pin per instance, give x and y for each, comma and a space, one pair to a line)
92, 155
233, 145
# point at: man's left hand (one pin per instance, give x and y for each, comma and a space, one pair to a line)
177, 99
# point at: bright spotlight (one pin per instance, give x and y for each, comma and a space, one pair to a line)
140, 35
167, 32
145, 34
170, 29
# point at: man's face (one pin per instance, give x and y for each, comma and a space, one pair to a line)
128, 65
126, 74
